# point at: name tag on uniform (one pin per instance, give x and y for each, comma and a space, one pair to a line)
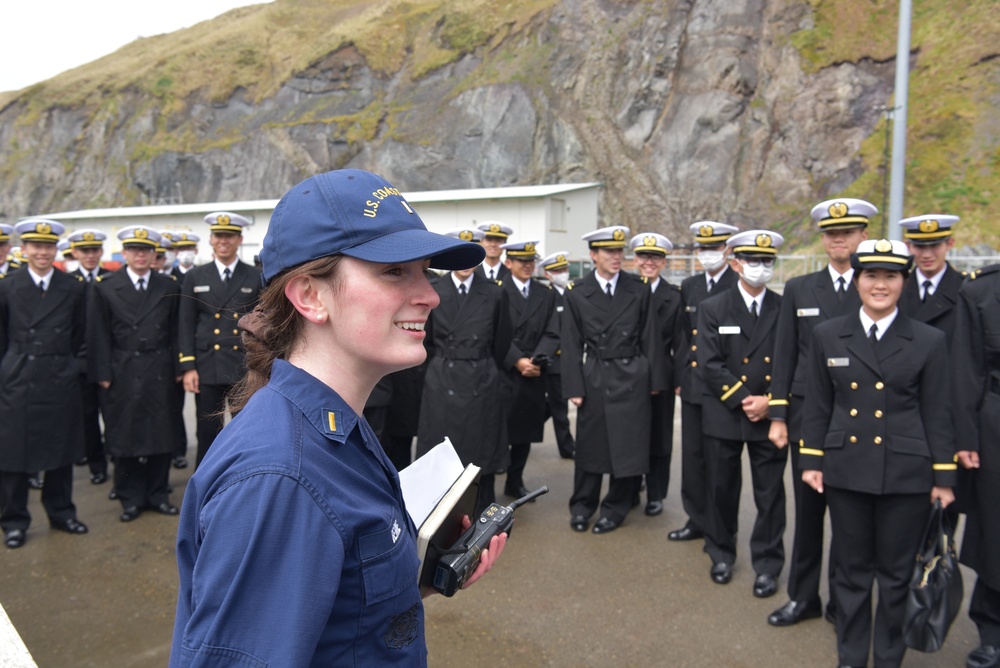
246, 291
202, 288
690, 309
729, 329
838, 361
559, 309
807, 312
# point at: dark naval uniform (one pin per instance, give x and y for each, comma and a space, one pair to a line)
533, 333
735, 353
500, 273
41, 338
940, 308
97, 460
806, 302
976, 358
209, 337
611, 356
877, 424
132, 342
667, 306
465, 393
694, 484
558, 405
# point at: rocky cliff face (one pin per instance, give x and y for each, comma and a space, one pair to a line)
684, 109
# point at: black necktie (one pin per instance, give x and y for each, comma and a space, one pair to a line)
41, 286
927, 290
711, 284
491, 275
753, 309
461, 289
873, 335
141, 285
841, 288
225, 276
607, 289
524, 291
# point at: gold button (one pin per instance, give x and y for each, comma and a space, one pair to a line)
879, 385
725, 388
854, 439
236, 347
854, 412
694, 332
767, 360
218, 315
217, 346
694, 347
236, 331
743, 378
878, 440
746, 360
236, 316
854, 386
878, 414
767, 378
215, 331
694, 364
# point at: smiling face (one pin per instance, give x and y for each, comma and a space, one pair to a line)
40, 256
520, 269
225, 245
650, 265
378, 313
607, 261
931, 258
493, 250
879, 290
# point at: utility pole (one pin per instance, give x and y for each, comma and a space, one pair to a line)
901, 106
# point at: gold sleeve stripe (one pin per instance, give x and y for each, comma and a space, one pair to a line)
946, 467
810, 451
187, 359
728, 394
778, 402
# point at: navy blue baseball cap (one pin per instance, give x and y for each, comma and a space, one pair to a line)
359, 214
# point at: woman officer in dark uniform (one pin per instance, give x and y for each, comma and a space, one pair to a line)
877, 440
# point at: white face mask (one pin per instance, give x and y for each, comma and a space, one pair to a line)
560, 279
757, 277
71, 265
185, 258
169, 257
712, 260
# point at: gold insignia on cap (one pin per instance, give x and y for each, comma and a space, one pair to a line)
43, 228
883, 246
140, 234
649, 241
529, 247
705, 231
618, 235
560, 258
494, 227
763, 241
838, 210
465, 235
222, 220
929, 226
88, 236
184, 236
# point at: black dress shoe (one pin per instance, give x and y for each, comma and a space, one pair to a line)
566, 455
654, 508
687, 533
578, 523
34, 482
14, 538
604, 525
180, 462
165, 508
722, 573
71, 525
129, 514
984, 656
98, 478
794, 612
764, 585
113, 494
516, 493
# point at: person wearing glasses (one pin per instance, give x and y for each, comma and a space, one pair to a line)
877, 441
650, 251
736, 335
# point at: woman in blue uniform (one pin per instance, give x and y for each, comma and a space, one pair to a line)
877, 440
294, 547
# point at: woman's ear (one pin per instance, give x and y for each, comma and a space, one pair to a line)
304, 294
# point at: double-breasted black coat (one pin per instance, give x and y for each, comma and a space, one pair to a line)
878, 420
466, 394
132, 342
941, 307
612, 357
40, 399
668, 309
534, 331
209, 335
976, 362
735, 354
694, 290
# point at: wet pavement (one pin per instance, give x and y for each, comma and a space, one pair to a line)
557, 598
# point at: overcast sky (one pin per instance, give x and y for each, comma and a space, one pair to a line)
41, 38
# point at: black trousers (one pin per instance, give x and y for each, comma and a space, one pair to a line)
694, 472
661, 443
587, 494
57, 498
182, 439
767, 468
515, 471
810, 511
875, 538
210, 400
984, 611
143, 481
559, 409
93, 441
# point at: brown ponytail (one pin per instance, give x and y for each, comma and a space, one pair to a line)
272, 329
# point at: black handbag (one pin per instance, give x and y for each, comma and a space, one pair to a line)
935, 593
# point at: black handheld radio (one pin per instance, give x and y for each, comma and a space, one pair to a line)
458, 563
